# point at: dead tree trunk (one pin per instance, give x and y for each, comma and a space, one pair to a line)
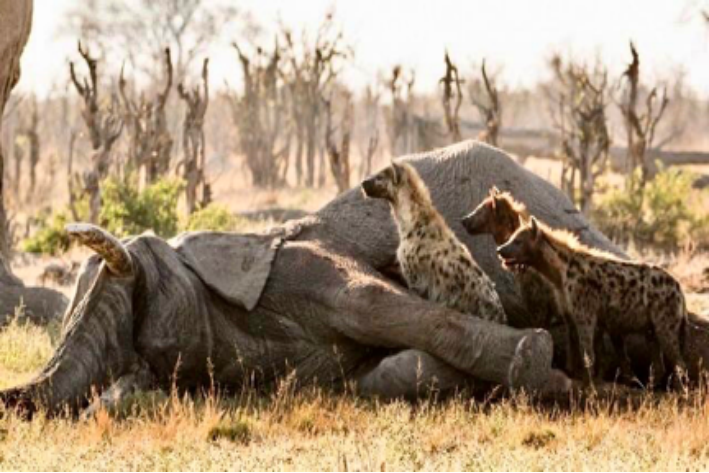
579, 113
193, 143
370, 133
312, 71
452, 98
400, 119
259, 116
18, 154
640, 129
339, 156
104, 126
488, 105
150, 140
31, 133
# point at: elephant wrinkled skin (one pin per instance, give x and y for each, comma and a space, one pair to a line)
310, 297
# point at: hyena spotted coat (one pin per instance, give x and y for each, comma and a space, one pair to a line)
596, 289
434, 263
500, 215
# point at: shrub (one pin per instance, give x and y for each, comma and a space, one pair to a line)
127, 211
50, 238
660, 215
214, 217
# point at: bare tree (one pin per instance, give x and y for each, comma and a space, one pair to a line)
339, 154
104, 125
370, 133
452, 98
139, 30
18, 155
486, 98
150, 139
400, 116
259, 113
193, 142
579, 114
29, 132
640, 126
313, 68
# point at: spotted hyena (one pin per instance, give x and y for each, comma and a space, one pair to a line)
500, 215
434, 263
596, 289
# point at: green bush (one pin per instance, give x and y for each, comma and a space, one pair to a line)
50, 238
214, 217
125, 210
661, 215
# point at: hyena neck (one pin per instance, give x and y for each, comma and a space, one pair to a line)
414, 209
502, 234
552, 262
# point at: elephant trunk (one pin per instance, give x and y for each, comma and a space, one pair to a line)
96, 345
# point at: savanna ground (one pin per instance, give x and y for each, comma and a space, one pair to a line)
315, 430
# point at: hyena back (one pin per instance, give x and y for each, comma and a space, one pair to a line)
598, 290
434, 263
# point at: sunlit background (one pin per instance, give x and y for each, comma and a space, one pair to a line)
517, 37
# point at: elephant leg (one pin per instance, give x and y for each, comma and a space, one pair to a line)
413, 374
139, 378
374, 312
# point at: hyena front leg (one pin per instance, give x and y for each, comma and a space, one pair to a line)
586, 330
574, 358
626, 369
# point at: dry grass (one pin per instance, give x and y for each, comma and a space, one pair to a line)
313, 430
317, 431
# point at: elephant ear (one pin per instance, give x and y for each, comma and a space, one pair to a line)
236, 266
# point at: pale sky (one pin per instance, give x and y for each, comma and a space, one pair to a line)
517, 35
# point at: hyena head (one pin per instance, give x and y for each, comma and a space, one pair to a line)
386, 183
499, 214
524, 246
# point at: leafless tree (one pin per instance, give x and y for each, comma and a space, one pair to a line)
312, 69
259, 113
193, 142
485, 97
451, 98
640, 126
150, 139
18, 155
370, 131
104, 126
579, 114
339, 154
31, 132
139, 30
400, 115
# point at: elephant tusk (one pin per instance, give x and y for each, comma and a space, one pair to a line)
117, 258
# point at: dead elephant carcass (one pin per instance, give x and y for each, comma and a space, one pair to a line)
309, 296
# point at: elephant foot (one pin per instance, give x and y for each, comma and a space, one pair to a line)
531, 366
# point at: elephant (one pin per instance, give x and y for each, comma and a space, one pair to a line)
314, 298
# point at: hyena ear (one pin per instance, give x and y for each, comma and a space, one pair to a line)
535, 227
397, 172
494, 191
